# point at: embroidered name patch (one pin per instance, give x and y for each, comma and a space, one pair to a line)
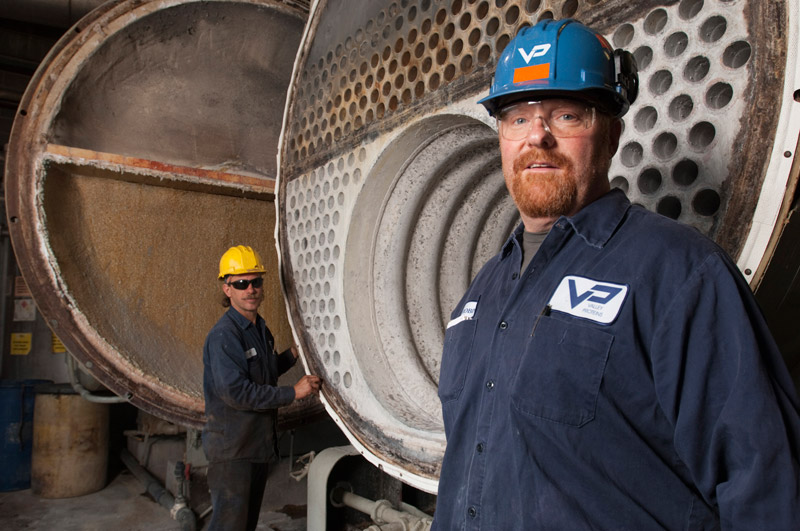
468, 312
591, 299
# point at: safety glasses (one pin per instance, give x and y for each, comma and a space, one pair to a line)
562, 118
243, 283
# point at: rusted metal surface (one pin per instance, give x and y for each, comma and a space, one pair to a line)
764, 93
157, 173
143, 148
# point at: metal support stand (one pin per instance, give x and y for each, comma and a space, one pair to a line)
318, 473
387, 517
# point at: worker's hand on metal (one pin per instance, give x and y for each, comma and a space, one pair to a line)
307, 385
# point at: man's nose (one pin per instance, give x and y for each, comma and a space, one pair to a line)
539, 133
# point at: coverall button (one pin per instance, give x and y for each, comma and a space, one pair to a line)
503, 325
472, 512
514, 276
490, 385
480, 448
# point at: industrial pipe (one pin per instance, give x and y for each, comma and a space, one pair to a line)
85, 393
382, 512
180, 512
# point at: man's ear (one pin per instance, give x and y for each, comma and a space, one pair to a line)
614, 132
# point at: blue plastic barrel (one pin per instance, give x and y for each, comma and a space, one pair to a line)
17, 398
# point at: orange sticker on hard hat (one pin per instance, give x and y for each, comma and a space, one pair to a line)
531, 73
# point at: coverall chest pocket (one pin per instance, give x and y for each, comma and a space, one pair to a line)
256, 369
456, 357
560, 373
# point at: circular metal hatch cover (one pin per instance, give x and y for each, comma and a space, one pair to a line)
144, 146
391, 195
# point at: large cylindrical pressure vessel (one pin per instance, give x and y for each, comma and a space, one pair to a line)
143, 148
391, 195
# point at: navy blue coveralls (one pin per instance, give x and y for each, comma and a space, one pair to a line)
240, 384
626, 380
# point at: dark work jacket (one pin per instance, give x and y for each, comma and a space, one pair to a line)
625, 381
240, 385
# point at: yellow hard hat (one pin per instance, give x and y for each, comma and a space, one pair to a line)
240, 260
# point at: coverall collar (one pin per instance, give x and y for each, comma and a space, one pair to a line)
240, 320
595, 223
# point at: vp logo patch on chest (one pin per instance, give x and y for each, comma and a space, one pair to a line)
590, 299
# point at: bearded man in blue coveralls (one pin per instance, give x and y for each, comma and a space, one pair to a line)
609, 368
240, 384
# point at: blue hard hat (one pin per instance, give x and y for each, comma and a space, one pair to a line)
564, 58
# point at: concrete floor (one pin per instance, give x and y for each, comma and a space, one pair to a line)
124, 505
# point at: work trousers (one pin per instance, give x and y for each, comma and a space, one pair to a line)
237, 488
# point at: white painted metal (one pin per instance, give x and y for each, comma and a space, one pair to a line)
318, 473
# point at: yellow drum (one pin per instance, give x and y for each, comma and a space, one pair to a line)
70, 444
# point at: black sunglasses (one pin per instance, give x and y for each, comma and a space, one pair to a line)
243, 283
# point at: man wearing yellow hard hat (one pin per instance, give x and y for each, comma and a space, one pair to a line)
240, 384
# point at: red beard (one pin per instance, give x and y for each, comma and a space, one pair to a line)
543, 195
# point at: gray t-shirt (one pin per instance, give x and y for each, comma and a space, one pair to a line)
531, 241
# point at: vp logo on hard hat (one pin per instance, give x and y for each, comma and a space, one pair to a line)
537, 51
533, 72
